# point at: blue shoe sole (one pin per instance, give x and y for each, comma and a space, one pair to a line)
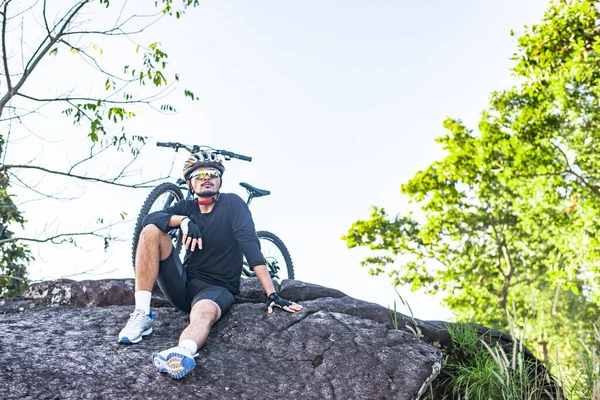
126, 340
175, 364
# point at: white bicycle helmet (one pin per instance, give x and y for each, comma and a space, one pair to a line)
204, 158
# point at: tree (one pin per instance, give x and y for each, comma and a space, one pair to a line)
32, 32
511, 216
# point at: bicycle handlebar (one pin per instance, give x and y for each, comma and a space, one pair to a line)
195, 148
233, 155
175, 145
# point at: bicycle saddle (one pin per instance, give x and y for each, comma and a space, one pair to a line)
256, 192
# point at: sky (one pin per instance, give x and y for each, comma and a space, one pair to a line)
338, 103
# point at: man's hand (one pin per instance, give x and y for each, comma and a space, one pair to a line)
192, 237
275, 301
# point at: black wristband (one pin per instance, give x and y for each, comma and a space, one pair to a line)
275, 301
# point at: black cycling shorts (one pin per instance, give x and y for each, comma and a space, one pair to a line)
183, 293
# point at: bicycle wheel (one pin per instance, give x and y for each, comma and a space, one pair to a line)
163, 196
277, 257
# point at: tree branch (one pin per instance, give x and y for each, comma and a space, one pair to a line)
32, 188
52, 239
68, 99
38, 55
569, 169
22, 11
46, 19
4, 55
117, 30
92, 155
65, 236
18, 278
528, 280
499, 254
86, 178
81, 51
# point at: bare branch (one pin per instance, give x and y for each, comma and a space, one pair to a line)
66, 237
38, 55
81, 51
32, 188
46, 19
92, 155
18, 117
19, 204
4, 54
134, 158
18, 278
31, 7
53, 239
4, 150
145, 184
69, 99
118, 30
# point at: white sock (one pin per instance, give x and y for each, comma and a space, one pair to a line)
142, 300
189, 345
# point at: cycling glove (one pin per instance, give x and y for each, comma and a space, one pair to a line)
275, 301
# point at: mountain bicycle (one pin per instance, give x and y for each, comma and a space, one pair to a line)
277, 257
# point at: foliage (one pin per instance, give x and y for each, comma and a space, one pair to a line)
13, 256
585, 383
512, 213
478, 371
34, 31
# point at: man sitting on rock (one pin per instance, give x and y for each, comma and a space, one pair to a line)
217, 229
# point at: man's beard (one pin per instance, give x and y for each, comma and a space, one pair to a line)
207, 192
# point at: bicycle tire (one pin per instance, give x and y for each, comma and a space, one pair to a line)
154, 195
284, 259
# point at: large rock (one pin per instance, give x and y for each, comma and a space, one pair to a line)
59, 341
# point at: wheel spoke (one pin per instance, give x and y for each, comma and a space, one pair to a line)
274, 258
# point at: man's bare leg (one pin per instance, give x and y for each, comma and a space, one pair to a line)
154, 245
202, 317
178, 361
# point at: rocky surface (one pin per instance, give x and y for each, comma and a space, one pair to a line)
59, 341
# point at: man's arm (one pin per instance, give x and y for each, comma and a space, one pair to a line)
245, 235
175, 220
265, 280
169, 218
175, 217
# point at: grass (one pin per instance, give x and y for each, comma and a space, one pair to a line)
478, 370
394, 316
585, 384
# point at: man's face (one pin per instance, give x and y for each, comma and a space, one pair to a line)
206, 181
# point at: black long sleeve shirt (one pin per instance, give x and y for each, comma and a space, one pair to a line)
227, 233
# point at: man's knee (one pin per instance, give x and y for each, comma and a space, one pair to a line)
151, 232
206, 309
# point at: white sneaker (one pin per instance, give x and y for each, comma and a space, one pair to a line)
139, 325
176, 361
